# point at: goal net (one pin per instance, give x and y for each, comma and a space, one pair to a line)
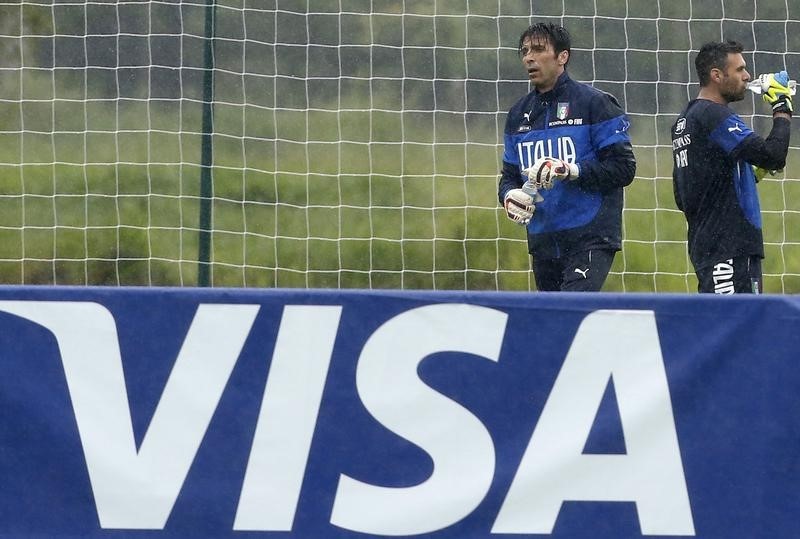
338, 143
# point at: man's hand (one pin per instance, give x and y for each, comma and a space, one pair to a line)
519, 206
547, 169
775, 91
760, 173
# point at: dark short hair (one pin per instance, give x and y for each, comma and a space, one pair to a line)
556, 35
714, 55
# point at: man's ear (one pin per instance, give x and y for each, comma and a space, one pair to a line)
563, 57
716, 74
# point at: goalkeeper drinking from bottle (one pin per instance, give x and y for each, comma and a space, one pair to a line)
570, 143
717, 162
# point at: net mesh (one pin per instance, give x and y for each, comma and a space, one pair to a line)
356, 143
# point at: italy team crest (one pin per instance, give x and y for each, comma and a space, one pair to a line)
562, 111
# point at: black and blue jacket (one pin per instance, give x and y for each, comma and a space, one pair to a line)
578, 124
713, 179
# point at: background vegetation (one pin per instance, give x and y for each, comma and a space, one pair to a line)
356, 144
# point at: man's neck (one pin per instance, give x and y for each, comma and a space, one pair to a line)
712, 95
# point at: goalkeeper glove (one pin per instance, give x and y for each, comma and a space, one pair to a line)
519, 206
761, 172
547, 169
775, 91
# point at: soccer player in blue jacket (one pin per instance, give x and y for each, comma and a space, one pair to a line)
713, 176
570, 142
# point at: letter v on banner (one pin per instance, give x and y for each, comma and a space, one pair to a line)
137, 490
623, 345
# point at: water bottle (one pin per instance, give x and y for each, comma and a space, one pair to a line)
755, 85
531, 189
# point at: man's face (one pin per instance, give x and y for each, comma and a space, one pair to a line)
542, 63
735, 77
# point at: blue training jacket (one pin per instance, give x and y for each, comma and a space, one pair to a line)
578, 124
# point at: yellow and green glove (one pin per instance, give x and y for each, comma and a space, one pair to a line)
775, 91
761, 172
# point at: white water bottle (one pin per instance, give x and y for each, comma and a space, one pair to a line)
757, 85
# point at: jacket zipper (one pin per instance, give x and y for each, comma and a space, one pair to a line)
546, 105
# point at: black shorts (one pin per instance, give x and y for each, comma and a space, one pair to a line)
738, 275
580, 272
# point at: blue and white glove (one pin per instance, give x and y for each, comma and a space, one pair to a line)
776, 93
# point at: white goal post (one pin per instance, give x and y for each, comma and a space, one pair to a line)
347, 143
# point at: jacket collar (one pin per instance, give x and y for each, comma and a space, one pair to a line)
560, 82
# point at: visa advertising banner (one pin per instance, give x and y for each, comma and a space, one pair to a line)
133, 412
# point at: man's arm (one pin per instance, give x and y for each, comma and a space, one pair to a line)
615, 163
769, 153
676, 193
510, 178
614, 167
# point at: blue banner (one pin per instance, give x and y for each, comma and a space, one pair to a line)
331, 414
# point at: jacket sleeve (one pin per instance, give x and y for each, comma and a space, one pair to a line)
510, 175
614, 164
510, 178
614, 167
676, 192
769, 153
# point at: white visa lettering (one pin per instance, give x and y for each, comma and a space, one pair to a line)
288, 415
623, 346
138, 489
458, 443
